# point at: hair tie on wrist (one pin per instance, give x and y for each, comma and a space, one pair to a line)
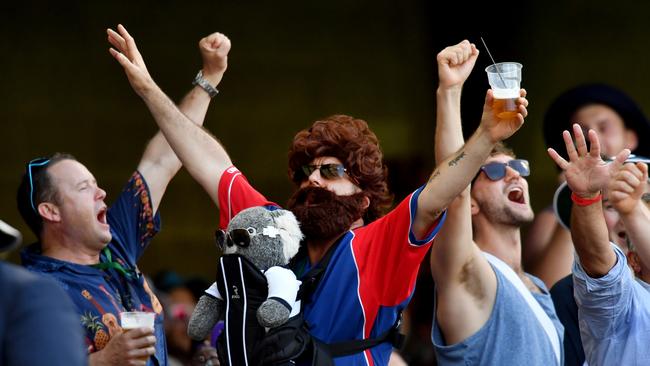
585, 201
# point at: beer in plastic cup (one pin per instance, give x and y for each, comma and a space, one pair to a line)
137, 319
505, 80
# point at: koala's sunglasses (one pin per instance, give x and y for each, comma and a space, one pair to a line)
497, 170
238, 237
36, 163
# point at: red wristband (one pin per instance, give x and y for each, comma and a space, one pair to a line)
585, 201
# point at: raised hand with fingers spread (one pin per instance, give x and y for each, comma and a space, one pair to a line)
126, 53
586, 172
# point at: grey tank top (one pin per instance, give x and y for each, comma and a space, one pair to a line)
511, 336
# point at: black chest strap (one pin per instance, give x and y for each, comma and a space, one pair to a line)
392, 336
310, 281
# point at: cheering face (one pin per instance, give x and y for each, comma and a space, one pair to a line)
504, 200
81, 204
609, 126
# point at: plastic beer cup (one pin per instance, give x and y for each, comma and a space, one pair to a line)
505, 81
137, 319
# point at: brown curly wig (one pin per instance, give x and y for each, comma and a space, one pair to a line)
351, 141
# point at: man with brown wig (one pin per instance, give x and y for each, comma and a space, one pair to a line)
338, 169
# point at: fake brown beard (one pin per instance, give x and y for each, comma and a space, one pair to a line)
324, 215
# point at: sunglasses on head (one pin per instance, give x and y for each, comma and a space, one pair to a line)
327, 171
497, 170
238, 237
36, 163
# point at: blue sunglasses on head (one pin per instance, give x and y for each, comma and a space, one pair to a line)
497, 170
38, 162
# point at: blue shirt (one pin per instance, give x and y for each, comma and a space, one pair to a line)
101, 294
614, 315
511, 336
38, 323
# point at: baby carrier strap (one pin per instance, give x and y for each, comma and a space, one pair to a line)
243, 288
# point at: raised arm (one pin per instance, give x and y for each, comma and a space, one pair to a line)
625, 194
454, 244
465, 285
587, 174
454, 173
202, 155
455, 63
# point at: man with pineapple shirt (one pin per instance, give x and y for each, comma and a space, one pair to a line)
92, 250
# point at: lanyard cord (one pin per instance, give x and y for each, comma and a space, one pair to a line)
125, 298
114, 265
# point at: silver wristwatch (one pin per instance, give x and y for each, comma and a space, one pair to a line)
205, 85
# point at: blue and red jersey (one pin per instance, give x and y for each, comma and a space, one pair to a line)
370, 277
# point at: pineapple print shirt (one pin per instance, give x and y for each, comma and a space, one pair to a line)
101, 292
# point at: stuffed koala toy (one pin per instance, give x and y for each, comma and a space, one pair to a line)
256, 244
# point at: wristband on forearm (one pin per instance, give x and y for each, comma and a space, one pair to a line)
585, 201
205, 85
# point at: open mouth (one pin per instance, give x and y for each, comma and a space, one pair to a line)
516, 195
622, 235
101, 216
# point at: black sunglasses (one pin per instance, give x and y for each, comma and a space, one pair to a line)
327, 171
496, 170
35, 163
238, 237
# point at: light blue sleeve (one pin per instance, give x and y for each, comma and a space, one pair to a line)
604, 302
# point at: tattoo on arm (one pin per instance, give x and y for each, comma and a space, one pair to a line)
434, 175
455, 160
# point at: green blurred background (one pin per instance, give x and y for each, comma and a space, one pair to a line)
291, 63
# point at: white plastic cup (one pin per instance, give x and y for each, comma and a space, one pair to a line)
137, 319
505, 81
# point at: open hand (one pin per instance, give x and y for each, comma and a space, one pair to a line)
500, 128
455, 63
126, 53
586, 172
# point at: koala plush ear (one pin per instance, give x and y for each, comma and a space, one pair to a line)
290, 232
